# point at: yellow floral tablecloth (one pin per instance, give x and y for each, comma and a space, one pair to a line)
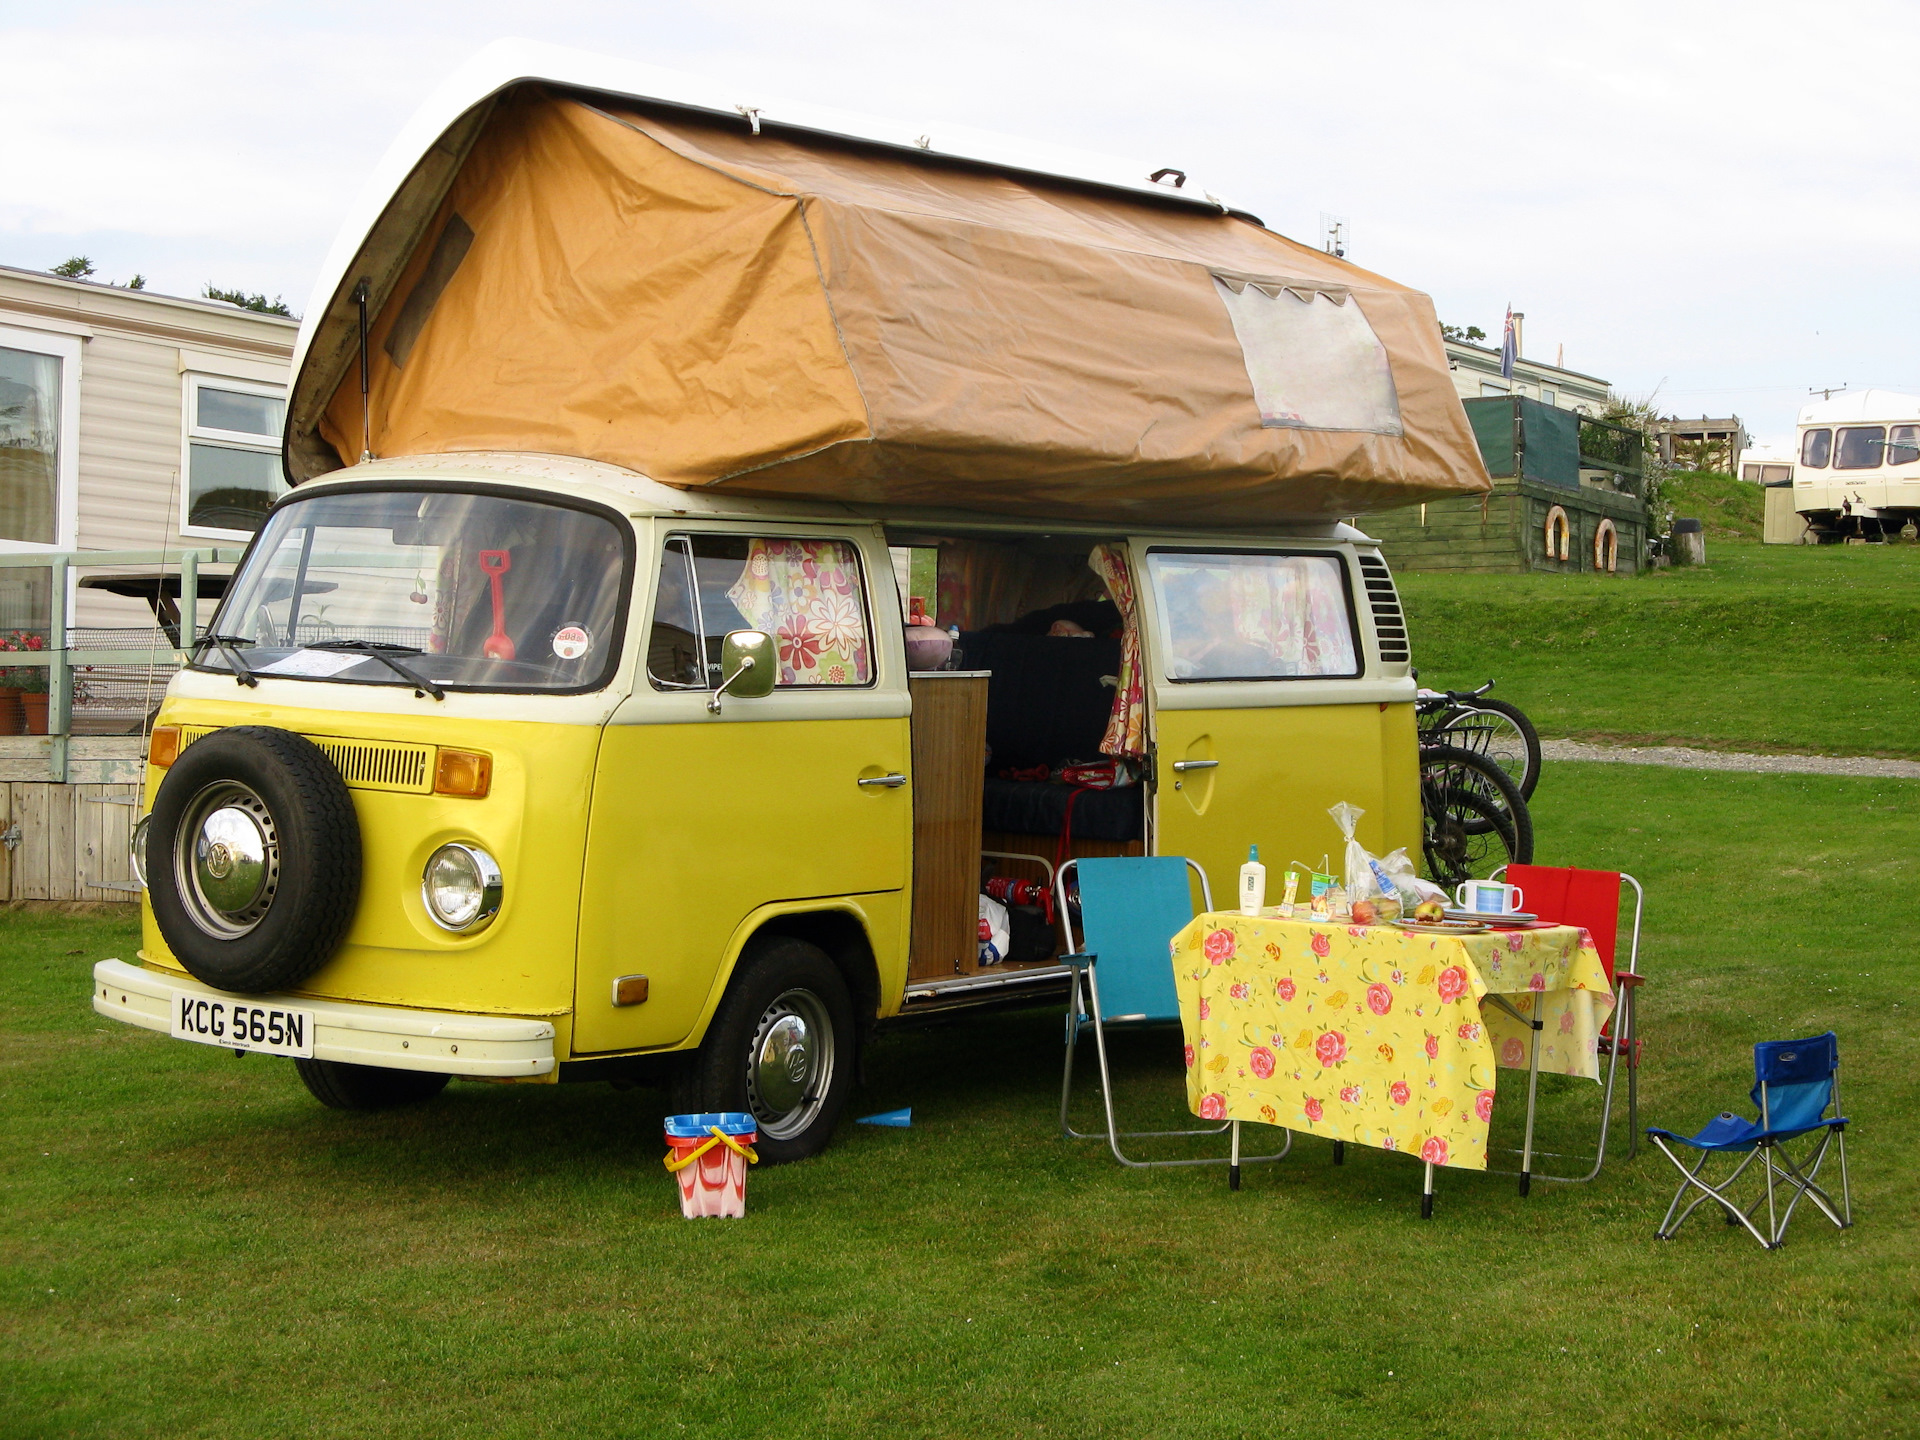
1375, 1034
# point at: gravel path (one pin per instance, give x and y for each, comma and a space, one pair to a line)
1686, 758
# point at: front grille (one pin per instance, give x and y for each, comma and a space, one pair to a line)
363, 764
1389, 621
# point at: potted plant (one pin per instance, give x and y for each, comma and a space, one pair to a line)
23, 688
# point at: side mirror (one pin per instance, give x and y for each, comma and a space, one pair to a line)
749, 665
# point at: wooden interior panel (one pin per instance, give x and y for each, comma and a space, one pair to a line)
949, 759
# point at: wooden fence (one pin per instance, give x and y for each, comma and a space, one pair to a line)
67, 842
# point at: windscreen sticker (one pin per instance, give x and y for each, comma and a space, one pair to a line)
570, 642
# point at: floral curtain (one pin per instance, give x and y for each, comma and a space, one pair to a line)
1127, 727
806, 594
1296, 610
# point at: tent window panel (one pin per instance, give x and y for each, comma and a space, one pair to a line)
1860, 447
1312, 358
1903, 447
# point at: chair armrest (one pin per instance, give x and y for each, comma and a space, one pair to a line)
1079, 960
1626, 979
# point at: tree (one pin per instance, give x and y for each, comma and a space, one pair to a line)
76, 267
275, 306
1466, 336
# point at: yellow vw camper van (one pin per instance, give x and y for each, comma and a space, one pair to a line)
565, 721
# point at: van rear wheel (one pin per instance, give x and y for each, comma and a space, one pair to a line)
340, 1086
780, 1048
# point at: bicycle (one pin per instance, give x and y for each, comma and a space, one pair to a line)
1501, 732
1473, 817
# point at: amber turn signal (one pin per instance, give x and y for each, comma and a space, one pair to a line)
463, 772
630, 990
163, 746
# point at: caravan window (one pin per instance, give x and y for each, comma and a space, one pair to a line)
1860, 447
807, 594
1904, 446
1816, 447
1253, 616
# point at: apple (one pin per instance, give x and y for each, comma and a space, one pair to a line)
1430, 912
1364, 913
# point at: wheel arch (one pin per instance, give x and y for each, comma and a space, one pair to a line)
839, 926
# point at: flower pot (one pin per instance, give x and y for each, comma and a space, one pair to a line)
35, 704
13, 719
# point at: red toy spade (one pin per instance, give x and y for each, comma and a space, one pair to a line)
496, 563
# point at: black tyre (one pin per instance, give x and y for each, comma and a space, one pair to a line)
253, 859
780, 1047
1503, 734
1474, 819
340, 1086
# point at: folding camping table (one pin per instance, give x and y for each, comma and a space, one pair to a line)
1379, 1035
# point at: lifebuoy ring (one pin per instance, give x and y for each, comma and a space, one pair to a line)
1557, 520
1606, 547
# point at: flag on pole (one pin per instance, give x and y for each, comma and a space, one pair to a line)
1509, 348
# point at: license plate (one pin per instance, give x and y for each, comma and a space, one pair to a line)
242, 1025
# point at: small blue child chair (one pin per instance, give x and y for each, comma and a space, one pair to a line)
1131, 907
1795, 1083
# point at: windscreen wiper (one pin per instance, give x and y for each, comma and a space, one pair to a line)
384, 651
242, 674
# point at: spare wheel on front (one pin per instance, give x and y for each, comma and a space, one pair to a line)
253, 859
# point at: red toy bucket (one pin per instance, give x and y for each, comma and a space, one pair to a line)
708, 1156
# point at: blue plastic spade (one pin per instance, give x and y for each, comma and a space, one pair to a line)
900, 1118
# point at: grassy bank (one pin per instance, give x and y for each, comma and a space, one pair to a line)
194, 1248
1727, 509
1776, 647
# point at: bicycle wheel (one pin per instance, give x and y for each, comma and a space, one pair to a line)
1474, 816
1502, 733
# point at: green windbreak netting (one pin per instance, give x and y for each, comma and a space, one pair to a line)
1549, 438
1552, 444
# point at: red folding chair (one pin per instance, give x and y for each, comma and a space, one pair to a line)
1591, 900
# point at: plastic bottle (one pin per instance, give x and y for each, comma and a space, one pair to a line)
1253, 883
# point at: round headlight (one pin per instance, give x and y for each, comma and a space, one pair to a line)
461, 887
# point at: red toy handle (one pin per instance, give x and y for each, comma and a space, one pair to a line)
496, 563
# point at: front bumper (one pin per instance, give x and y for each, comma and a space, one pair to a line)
383, 1035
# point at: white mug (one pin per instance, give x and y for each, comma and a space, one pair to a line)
1489, 897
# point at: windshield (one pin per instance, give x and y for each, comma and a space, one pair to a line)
477, 592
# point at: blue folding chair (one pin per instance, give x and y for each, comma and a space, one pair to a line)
1795, 1083
1131, 907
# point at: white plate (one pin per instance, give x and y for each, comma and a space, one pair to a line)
1513, 917
242, 1025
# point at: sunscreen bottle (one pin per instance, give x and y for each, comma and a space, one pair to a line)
1253, 883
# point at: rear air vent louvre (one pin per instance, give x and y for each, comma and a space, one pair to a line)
1389, 621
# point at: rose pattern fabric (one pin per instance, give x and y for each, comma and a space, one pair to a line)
1274, 1010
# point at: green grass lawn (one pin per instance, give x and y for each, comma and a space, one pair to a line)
1771, 648
194, 1248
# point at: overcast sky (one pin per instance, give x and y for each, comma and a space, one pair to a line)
1717, 201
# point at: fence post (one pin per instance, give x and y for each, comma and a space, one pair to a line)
59, 675
190, 598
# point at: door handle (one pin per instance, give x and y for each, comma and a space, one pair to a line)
890, 782
1185, 765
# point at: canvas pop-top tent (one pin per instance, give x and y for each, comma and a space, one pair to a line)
722, 298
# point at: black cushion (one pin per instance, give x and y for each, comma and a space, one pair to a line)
1045, 702
1039, 807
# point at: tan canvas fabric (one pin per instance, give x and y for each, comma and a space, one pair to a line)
780, 316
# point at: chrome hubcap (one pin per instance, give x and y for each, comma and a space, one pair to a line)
227, 860
790, 1064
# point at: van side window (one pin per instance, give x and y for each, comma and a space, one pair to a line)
1816, 446
807, 594
1254, 616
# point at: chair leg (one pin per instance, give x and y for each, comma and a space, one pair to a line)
1690, 1178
